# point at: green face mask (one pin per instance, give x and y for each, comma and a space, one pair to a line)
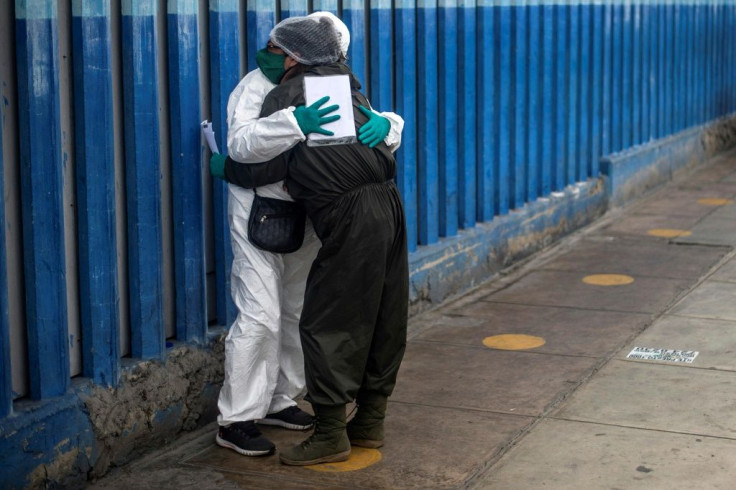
271, 64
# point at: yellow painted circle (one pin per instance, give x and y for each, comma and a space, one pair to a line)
669, 233
714, 202
513, 342
360, 458
608, 280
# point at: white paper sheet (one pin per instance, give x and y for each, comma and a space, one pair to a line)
209, 135
338, 88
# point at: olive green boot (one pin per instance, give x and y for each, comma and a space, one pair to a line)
327, 444
366, 428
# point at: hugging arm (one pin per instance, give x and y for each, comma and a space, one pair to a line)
257, 174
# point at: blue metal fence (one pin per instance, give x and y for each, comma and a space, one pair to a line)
504, 102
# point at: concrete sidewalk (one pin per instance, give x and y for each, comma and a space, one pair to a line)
525, 382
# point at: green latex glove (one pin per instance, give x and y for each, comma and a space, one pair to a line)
310, 119
374, 130
217, 165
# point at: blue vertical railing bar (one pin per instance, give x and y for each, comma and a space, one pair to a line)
406, 106
669, 69
653, 41
548, 99
294, 8
644, 79
447, 35
325, 6
617, 82
559, 177
596, 83
573, 90
636, 82
520, 103
627, 81
93, 110
224, 70
467, 156
427, 134
584, 89
6, 379
702, 54
41, 195
486, 113
261, 17
534, 116
188, 218
677, 100
353, 14
143, 175
381, 74
504, 127
606, 75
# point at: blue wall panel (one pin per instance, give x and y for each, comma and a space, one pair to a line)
261, 17
224, 70
143, 176
406, 105
549, 95
559, 175
636, 47
293, 8
534, 117
486, 112
573, 97
467, 103
427, 163
381, 77
98, 281
595, 137
607, 85
519, 105
353, 13
504, 82
41, 193
447, 86
188, 218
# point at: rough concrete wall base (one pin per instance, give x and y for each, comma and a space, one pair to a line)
634, 171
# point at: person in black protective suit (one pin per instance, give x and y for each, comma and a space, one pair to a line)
353, 325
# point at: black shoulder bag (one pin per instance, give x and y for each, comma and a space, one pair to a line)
276, 225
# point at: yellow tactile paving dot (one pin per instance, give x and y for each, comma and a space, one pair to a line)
608, 279
709, 201
669, 233
360, 458
513, 342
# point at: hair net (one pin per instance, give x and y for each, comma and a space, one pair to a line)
343, 34
308, 41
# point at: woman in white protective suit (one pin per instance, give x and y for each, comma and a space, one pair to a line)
264, 364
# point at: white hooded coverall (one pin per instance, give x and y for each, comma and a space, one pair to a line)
264, 364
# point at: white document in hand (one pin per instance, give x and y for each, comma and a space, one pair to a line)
338, 88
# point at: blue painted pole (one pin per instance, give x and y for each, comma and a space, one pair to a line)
381, 74
636, 81
486, 114
406, 106
607, 74
224, 75
504, 33
427, 132
143, 174
627, 82
584, 89
520, 105
534, 117
548, 100
644, 82
573, 98
596, 68
617, 99
652, 74
559, 178
93, 110
6, 379
448, 117
661, 72
353, 12
261, 17
669, 115
677, 99
292, 8
189, 253
467, 103
41, 195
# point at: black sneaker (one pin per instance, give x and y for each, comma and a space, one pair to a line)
292, 417
245, 438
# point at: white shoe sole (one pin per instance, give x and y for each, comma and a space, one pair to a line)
285, 425
244, 452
